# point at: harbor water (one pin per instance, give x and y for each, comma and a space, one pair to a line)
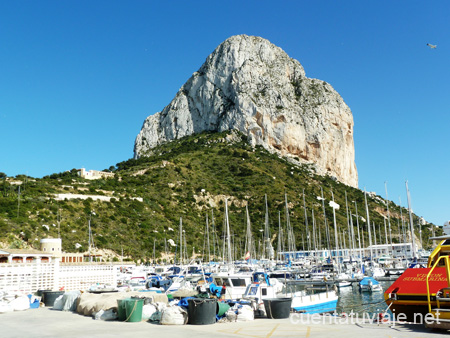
352, 300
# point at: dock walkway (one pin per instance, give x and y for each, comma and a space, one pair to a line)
45, 322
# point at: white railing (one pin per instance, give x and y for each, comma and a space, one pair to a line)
80, 277
30, 277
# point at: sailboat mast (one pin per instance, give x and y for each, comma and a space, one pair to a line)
379, 233
403, 220
368, 224
214, 234
228, 232
279, 248
266, 232
314, 232
181, 240
327, 231
357, 225
207, 238
374, 233
224, 234
248, 243
308, 239
348, 224
154, 245
335, 230
385, 230
288, 230
89, 230
185, 254
411, 224
353, 246
388, 215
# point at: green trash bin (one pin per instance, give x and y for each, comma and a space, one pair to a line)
121, 312
222, 308
133, 309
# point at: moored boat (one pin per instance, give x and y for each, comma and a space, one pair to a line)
424, 291
322, 302
264, 288
369, 284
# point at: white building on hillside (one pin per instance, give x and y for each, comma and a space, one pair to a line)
446, 228
94, 174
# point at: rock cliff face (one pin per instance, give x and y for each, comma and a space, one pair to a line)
253, 86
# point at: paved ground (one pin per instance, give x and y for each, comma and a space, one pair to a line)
45, 322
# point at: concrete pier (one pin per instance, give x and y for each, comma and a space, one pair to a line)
45, 322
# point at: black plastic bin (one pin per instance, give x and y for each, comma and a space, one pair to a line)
277, 308
40, 293
49, 297
201, 311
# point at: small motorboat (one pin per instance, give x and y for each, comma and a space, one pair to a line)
343, 280
369, 284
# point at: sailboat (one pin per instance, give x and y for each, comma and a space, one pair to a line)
235, 282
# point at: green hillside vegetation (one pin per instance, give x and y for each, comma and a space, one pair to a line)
179, 179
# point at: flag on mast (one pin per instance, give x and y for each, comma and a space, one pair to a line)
247, 256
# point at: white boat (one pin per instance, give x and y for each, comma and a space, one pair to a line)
301, 302
133, 284
342, 280
319, 274
377, 272
375, 287
163, 270
236, 284
385, 260
258, 291
323, 302
282, 274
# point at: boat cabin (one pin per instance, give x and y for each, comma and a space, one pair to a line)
235, 284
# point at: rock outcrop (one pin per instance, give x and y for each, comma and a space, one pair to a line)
250, 85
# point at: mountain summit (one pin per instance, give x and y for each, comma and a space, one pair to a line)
250, 85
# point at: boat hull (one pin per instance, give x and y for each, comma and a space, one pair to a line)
316, 303
407, 296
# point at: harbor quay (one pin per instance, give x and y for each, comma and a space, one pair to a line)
46, 322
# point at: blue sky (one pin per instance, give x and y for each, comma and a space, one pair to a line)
78, 78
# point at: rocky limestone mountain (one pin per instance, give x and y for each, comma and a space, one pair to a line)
250, 85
